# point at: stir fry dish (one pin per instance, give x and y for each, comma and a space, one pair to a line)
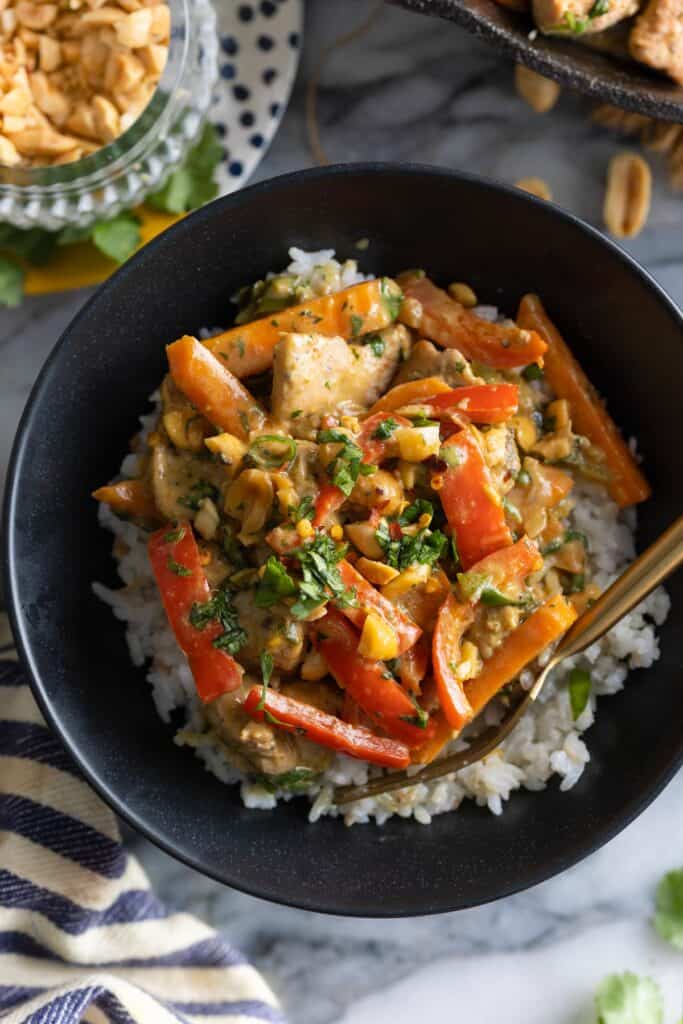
357, 505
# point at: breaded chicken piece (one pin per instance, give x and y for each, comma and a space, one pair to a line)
580, 17
657, 37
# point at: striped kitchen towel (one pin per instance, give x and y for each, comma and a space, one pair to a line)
82, 937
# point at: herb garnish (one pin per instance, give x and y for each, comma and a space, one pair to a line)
274, 585
304, 510
376, 343
321, 577
385, 429
177, 568
345, 467
532, 372
425, 547
579, 691
202, 489
356, 325
173, 536
220, 608
392, 296
669, 916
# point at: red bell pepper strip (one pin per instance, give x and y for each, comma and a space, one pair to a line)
452, 325
325, 729
367, 682
481, 403
174, 555
329, 499
376, 449
369, 599
453, 619
474, 511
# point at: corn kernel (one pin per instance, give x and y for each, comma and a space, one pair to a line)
436, 482
305, 529
424, 520
336, 532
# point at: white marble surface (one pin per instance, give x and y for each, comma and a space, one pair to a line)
416, 89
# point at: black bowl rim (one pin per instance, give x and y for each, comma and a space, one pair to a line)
617, 92
583, 845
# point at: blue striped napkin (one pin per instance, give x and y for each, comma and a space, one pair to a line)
82, 937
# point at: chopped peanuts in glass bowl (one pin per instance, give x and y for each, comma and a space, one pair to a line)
76, 74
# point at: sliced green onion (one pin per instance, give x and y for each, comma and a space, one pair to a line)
260, 451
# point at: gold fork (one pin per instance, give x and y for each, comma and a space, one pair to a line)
642, 576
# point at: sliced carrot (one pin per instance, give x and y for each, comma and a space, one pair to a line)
453, 619
214, 390
453, 326
248, 349
413, 392
524, 644
128, 498
627, 485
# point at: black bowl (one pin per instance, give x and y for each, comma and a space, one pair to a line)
84, 408
620, 81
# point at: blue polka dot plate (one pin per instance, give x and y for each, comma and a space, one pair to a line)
258, 56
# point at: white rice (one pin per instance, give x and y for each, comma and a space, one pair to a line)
546, 742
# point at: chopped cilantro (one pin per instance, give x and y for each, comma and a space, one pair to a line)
220, 608
451, 455
412, 512
420, 420
202, 489
599, 7
275, 584
392, 296
177, 568
321, 577
117, 238
356, 325
376, 343
425, 547
577, 582
345, 467
579, 691
304, 510
295, 415
532, 372
420, 719
173, 536
669, 916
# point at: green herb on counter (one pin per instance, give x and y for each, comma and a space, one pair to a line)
669, 902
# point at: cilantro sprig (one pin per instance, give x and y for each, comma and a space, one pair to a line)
221, 609
425, 547
321, 579
190, 186
347, 465
629, 999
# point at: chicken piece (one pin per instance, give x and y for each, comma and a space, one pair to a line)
580, 17
180, 480
657, 38
314, 376
253, 746
261, 747
185, 426
426, 360
268, 629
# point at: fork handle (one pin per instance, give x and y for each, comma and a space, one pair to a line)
642, 576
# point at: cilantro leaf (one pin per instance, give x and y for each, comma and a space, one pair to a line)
295, 781
266, 660
177, 568
385, 429
192, 184
425, 547
117, 238
376, 343
304, 510
202, 489
669, 916
579, 691
321, 576
275, 584
345, 467
629, 999
412, 512
220, 608
11, 283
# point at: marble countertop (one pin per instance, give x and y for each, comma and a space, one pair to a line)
421, 89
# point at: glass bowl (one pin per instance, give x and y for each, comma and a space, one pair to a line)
119, 175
